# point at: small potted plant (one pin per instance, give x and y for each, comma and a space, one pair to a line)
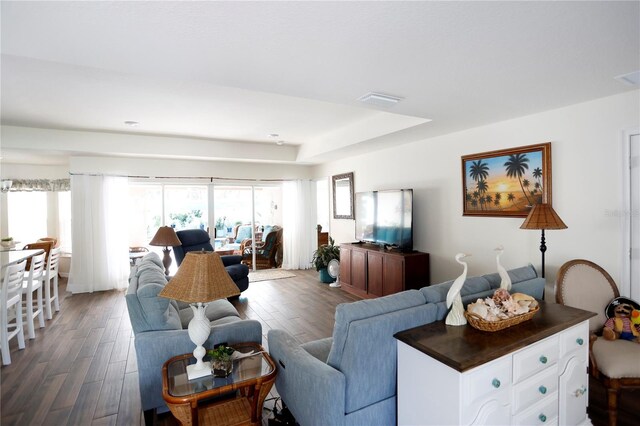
7, 242
221, 362
321, 258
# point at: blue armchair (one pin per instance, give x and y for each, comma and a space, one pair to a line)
197, 240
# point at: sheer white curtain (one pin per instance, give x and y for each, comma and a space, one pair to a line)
299, 222
100, 259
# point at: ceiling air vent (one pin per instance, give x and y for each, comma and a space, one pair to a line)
379, 99
631, 79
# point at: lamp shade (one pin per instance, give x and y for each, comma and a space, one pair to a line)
542, 216
200, 278
165, 236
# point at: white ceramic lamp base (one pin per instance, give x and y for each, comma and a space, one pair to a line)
194, 373
335, 284
199, 330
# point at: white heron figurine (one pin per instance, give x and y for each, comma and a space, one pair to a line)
454, 301
505, 281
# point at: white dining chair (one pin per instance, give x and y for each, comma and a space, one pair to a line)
51, 282
11, 299
33, 283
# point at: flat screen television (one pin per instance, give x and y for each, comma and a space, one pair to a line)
385, 218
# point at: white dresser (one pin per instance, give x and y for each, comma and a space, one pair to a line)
534, 373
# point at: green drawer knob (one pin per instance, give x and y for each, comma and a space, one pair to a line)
495, 383
579, 341
542, 418
543, 359
542, 390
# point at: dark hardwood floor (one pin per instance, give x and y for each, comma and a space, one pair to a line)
81, 368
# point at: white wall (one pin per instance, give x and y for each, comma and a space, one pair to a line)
587, 189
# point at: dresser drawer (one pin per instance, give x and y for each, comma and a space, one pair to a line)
574, 338
491, 381
544, 413
535, 389
535, 358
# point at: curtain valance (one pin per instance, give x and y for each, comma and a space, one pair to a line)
45, 185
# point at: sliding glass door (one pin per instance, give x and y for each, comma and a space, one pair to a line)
229, 213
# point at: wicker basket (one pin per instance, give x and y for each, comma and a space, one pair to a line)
476, 322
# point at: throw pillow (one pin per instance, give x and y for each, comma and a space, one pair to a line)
244, 232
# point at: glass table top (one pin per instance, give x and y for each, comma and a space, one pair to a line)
249, 368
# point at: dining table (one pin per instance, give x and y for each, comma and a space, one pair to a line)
14, 256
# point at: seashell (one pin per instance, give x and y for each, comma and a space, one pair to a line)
501, 295
479, 308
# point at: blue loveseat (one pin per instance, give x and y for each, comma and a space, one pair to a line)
160, 327
350, 378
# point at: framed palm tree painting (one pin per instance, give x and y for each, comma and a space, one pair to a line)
507, 182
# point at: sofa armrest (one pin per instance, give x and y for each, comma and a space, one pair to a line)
231, 259
154, 348
313, 390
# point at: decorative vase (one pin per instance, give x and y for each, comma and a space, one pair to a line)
325, 277
221, 367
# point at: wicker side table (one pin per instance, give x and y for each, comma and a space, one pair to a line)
234, 400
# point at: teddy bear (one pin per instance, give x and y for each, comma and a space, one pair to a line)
622, 314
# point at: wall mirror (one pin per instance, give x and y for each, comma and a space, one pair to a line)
343, 196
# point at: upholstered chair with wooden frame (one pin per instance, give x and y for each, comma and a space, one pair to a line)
40, 245
585, 285
268, 251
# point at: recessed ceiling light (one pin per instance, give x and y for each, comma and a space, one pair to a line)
273, 135
131, 123
631, 79
280, 143
379, 99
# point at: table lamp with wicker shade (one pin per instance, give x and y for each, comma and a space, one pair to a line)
200, 279
542, 216
165, 236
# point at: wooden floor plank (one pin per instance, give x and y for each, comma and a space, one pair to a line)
41, 400
84, 407
99, 363
68, 395
109, 399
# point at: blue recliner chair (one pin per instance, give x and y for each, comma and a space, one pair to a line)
197, 240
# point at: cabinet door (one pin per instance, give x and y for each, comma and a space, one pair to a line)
345, 265
393, 275
574, 395
374, 273
359, 269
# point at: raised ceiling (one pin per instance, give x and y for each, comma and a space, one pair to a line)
239, 71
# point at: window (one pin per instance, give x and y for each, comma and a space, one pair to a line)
27, 216
186, 207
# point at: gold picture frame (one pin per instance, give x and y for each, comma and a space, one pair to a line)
506, 182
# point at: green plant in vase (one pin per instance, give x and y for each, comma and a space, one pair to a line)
221, 362
321, 258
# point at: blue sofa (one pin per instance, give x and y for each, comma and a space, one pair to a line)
350, 378
160, 327
197, 240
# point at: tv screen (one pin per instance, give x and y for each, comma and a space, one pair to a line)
385, 217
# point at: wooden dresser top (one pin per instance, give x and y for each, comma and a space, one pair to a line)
464, 347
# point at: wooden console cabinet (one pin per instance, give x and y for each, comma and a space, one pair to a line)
534, 373
367, 270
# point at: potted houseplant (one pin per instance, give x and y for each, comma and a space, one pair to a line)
221, 362
7, 242
321, 258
